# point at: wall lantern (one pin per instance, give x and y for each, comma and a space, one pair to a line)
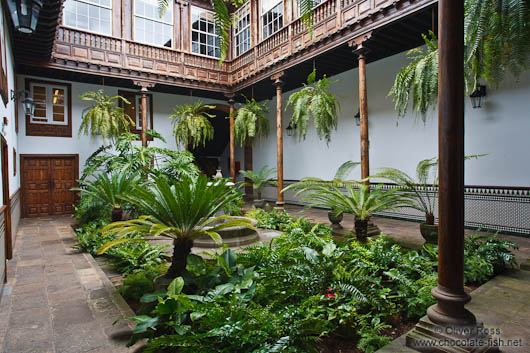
25, 14
27, 102
357, 118
290, 129
476, 96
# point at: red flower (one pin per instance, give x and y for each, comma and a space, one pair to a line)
329, 290
330, 295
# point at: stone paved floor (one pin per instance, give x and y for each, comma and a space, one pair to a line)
57, 300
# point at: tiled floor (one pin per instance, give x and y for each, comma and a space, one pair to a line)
57, 300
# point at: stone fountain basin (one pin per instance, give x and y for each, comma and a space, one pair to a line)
232, 236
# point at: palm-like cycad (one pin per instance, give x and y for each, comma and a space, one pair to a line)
250, 122
315, 100
103, 117
260, 179
358, 199
181, 211
191, 126
110, 190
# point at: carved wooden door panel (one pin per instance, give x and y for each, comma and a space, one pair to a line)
46, 183
63, 179
37, 180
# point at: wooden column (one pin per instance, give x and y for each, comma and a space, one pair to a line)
249, 165
144, 116
231, 101
450, 290
278, 83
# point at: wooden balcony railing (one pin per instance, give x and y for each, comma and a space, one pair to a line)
330, 17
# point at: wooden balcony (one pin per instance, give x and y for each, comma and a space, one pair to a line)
335, 23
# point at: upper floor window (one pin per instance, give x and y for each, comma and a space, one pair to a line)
242, 30
316, 3
149, 27
271, 17
50, 104
90, 15
204, 39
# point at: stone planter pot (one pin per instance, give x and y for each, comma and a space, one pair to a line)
259, 203
361, 229
335, 220
429, 233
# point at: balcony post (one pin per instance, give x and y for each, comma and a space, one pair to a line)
278, 83
144, 116
231, 102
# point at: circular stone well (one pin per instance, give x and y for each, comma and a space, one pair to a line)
232, 236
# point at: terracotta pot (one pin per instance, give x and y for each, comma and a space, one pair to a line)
429, 233
361, 229
259, 203
335, 219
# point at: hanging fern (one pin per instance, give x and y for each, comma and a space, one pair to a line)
191, 126
103, 117
314, 100
250, 122
497, 41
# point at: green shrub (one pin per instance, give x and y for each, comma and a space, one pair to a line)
278, 220
140, 282
89, 237
131, 256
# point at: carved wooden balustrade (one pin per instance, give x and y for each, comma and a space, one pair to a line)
341, 20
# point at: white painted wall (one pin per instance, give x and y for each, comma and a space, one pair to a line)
500, 129
85, 145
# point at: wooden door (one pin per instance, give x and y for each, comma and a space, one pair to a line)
46, 183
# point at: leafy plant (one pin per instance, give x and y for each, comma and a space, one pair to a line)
250, 122
181, 211
89, 237
190, 124
417, 189
110, 190
260, 179
136, 284
103, 117
132, 256
317, 101
278, 220
496, 39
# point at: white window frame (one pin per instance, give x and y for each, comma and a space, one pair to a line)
317, 4
200, 9
262, 22
91, 3
158, 20
49, 104
242, 12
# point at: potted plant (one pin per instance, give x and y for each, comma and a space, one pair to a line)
339, 180
103, 117
417, 190
258, 181
315, 100
191, 126
358, 200
250, 122
109, 189
179, 210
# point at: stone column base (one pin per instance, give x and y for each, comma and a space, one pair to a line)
433, 338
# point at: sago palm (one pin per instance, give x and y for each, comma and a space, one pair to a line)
109, 189
250, 122
191, 126
103, 117
181, 211
260, 179
317, 101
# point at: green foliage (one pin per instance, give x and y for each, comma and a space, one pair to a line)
140, 282
278, 220
89, 209
109, 190
497, 41
132, 256
233, 208
317, 101
358, 199
260, 179
125, 156
89, 237
191, 126
250, 122
419, 78
371, 340
103, 117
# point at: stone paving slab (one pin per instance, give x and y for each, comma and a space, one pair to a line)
57, 300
